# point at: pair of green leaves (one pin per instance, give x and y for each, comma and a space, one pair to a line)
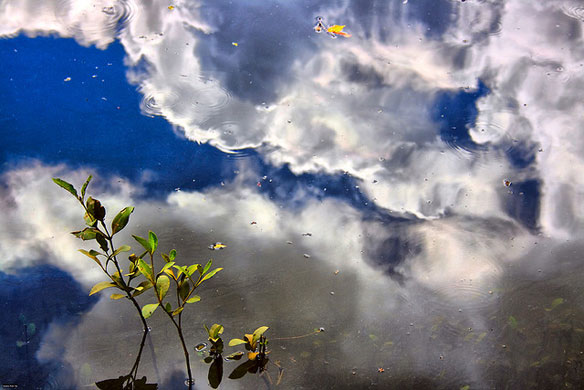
95, 211
250, 340
150, 244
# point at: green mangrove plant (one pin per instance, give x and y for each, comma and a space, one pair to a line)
107, 259
160, 281
186, 279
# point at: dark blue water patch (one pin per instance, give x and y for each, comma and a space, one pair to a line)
456, 113
27, 310
92, 121
294, 192
523, 203
522, 154
436, 15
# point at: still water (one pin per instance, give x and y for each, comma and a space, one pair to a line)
396, 186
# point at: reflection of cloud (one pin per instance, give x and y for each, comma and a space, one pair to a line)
262, 271
344, 105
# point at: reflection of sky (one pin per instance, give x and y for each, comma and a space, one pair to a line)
390, 147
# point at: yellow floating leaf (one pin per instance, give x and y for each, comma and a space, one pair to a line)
235, 44
338, 30
171, 7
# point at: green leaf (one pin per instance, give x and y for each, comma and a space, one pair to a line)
101, 286
84, 187
234, 342
121, 219
117, 296
235, 356
67, 186
207, 266
191, 269
142, 287
556, 302
193, 299
146, 270
144, 243
89, 220
184, 289
165, 257
177, 311
166, 266
123, 248
210, 274
86, 234
102, 242
512, 322
91, 256
95, 209
147, 310
215, 331
21, 343
118, 279
172, 255
258, 332
168, 307
162, 285
153, 241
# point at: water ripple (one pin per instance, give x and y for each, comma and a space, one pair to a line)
96, 21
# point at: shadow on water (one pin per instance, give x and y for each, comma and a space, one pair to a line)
131, 381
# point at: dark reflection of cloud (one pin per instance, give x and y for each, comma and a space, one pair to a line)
271, 37
28, 311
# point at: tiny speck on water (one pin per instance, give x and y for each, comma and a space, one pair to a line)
332, 293
307, 255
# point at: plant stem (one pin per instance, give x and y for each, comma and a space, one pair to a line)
185, 350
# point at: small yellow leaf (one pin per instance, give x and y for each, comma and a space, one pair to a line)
117, 296
235, 44
252, 355
171, 7
336, 28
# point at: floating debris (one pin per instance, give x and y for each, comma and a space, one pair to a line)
307, 234
171, 7
253, 223
319, 27
289, 242
307, 255
321, 329
108, 10
217, 246
380, 370
259, 184
67, 79
333, 30
507, 183
200, 347
235, 44
337, 272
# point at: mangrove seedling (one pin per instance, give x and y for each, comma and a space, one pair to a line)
256, 344
215, 357
185, 284
107, 258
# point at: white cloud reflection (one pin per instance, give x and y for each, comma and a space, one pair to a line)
361, 105
346, 104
